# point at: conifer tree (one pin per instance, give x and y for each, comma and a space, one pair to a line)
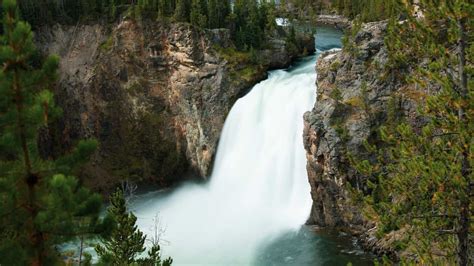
223, 12
425, 182
247, 18
198, 13
41, 204
283, 7
127, 241
213, 14
182, 10
239, 19
270, 16
254, 30
113, 10
162, 8
203, 9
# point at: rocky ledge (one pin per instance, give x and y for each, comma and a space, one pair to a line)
154, 94
355, 94
337, 21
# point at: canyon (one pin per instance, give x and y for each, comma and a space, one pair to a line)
154, 94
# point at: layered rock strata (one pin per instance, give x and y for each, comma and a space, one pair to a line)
154, 94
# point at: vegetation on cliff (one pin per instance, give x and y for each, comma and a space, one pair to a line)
366, 10
153, 90
413, 78
248, 20
420, 177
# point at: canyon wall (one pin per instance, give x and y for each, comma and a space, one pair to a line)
355, 96
154, 94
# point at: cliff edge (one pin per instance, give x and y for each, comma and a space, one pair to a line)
355, 95
154, 94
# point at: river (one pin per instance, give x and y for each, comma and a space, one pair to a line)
253, 209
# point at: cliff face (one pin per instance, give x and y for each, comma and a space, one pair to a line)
336, 21
334, 126
354, 98
154, 94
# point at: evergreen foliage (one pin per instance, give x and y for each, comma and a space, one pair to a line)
126, 242
422, 180
41, 203
182, 10
366, 10
213, 14
348, 40
199, 14
248, 20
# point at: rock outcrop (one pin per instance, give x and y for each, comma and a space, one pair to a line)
355, 96
336, 21
154, 94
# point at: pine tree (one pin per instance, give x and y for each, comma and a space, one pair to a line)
240, 13
126, 241
113, 10
291, 42
213, 14
424, 177
162, 8
223, 12
253, 29
283, 7
247, 22
348, 8
41, 204
270, 21
198, 17
203, 8
154, 258
182, 11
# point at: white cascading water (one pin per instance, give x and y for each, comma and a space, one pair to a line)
259, 186
252, 210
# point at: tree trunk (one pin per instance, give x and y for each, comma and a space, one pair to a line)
31, 180
81, 250
463, 235
464, 214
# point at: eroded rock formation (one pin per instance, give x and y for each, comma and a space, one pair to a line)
336, 21
154, 94
355, 95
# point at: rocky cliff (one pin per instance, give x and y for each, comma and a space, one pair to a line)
355, 95
154, 94
336, 21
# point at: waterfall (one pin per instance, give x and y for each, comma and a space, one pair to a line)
259, 187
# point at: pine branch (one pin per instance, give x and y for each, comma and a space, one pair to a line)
434, 216
444, 135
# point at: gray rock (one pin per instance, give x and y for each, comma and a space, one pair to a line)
337, 21
334, 129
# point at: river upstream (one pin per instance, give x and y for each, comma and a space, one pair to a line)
253, 209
